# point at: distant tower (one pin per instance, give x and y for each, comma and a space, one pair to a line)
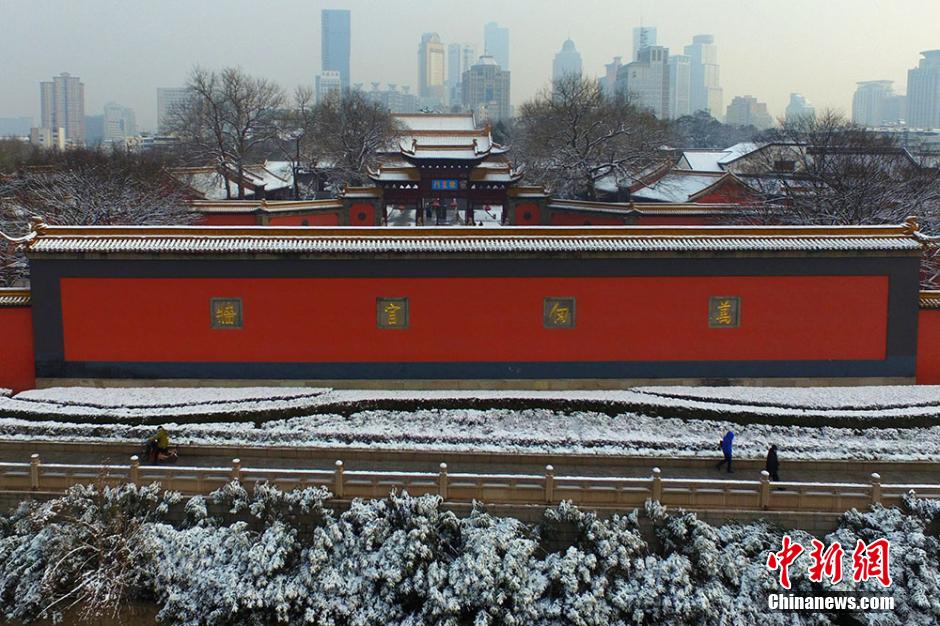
496, 44
642, 36
610, 77
486, 90
870, 102
431, 70
460, 56
567, 61
646, 80
168, 99
680, 85
799, 107
62, 104
335, 35
747, 111
705, 90
923, 92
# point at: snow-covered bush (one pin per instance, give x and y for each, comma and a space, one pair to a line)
264, 556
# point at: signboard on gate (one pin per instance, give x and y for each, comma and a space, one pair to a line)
445, 184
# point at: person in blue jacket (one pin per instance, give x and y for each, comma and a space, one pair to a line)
725, 446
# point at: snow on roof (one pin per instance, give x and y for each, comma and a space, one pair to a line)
436, 121
14, 297
737, 151
536, 240
704, 160
677, 186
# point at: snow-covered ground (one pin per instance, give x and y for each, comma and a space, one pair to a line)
820, 406
525, 431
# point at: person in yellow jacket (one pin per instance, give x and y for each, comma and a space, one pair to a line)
160, 444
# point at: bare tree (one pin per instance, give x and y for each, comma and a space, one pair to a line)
84, 187
348, 132
571, 136
295, 130
229, 115
826, 170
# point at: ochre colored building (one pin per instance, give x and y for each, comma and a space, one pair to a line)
557, 307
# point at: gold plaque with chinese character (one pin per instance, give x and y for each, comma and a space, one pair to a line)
724, 311
225, 312
558, 313
391, 312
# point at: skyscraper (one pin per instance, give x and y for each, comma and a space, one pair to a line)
567, 61
496, 44
431, 70
747, 111
168, 99
328, 83
609, 83
334, 43
705, 92
642, 36
799, 108
119, 123
460, 56
680, 85
486, 90
923, 92
870, 102
646, 80
62, 104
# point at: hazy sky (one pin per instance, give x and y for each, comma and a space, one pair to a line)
124, 49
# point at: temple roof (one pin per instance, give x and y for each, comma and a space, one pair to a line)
369, 241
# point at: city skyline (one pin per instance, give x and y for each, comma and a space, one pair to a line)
811, 57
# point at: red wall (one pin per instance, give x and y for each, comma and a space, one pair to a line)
17, 364
519, 215
475, 319
311, 219
928, 347
228, 219
362, 214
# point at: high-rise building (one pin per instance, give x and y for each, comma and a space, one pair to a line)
119, 123
646, 81
394, 100
680, 85
62, 104
870, 103
460, 56
486, 90
609, 82
642, 36
327, 83
47, 138
567, 61
335, 43
168, 100
705, 92
431, 70
496, 44
799, 108
747, 111
923, 92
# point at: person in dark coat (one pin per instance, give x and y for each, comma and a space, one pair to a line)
773, 465
725, 446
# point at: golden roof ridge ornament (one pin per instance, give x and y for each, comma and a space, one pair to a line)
911, 225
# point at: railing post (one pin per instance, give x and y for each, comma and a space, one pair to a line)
34, 471
442, 482
764, 489
657, 487
135, 470
338, 480
236, 469
876, 488
549, 484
